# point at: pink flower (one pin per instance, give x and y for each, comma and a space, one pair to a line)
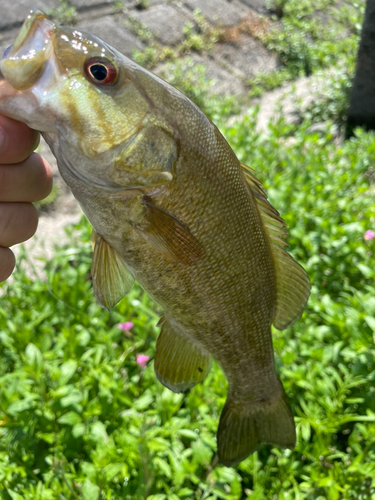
142, 360
125, 326
369, 235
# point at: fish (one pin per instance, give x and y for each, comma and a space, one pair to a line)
172, 207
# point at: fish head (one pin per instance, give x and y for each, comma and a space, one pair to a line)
70, 84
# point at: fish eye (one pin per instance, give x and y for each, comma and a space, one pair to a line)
100, 71
7, 51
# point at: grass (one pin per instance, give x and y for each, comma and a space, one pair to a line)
64, 14
199, 36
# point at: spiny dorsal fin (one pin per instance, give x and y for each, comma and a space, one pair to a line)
111, 279
292, 282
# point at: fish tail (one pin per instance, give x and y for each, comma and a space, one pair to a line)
244, 426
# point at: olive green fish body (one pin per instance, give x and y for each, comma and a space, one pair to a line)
220, 302
172, 207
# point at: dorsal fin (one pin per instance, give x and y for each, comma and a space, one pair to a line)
292, 282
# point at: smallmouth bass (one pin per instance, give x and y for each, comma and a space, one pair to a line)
172, 207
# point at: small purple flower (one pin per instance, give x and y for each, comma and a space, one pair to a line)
125, 326
142, 360
369, 235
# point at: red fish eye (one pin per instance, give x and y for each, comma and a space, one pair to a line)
101, 71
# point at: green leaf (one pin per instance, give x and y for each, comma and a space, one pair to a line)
163, 466
288, 357
306, 431
363, 418
14, 495
371, 322
98, 431
89, 490
186, 492
366, 270
188, 433
47, 437
22, 405
144, 401
75, 396
112, 470
67, 369
78, 430
201, 452
70, 418
34, 356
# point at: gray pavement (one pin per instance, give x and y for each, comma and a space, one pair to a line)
165, 22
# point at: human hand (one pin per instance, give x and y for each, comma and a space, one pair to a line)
24, 177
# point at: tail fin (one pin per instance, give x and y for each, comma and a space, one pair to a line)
243, 428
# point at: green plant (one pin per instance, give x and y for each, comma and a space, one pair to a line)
143, 4
118, 6
64, 13
263, 82
199, 37
310, 36
333, 103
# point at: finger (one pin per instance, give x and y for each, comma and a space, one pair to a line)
18, 222
17, 140
30, 180
7, 263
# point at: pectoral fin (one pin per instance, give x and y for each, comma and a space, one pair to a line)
110, 277
170, 236
179, 364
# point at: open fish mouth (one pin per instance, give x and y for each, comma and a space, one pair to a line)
23, 62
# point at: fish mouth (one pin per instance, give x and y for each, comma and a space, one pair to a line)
24, 62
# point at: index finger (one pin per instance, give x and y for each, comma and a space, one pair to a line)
17, 140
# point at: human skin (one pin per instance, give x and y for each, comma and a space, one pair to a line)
25, 177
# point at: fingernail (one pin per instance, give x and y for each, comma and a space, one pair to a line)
3, 138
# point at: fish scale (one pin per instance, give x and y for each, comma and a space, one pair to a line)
171, 206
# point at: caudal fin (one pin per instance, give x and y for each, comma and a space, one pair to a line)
243, 427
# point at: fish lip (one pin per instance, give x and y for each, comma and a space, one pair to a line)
24, 61
36, 21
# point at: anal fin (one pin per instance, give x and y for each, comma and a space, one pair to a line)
111, 279
179, 364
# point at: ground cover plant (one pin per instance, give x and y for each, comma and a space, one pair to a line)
309, 37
